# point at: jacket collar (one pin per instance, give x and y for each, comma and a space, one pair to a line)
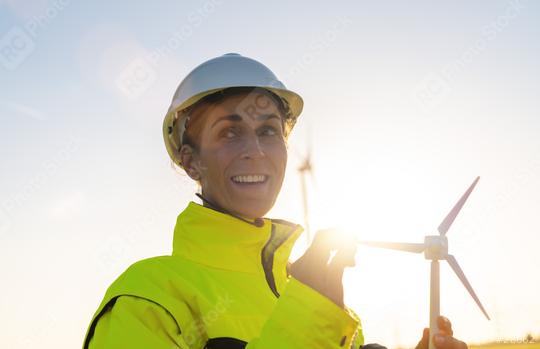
219, 240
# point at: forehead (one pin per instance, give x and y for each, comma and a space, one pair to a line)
247, 104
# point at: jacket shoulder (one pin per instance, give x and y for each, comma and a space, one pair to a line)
150, 279
146, 272
156, 278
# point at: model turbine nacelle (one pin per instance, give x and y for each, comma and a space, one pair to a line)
436, 247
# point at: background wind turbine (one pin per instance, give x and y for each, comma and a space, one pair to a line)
435, 248
303, 169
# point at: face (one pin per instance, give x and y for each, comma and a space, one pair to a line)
242, 155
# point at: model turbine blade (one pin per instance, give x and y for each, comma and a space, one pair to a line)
447, 222
455, 266
401, 246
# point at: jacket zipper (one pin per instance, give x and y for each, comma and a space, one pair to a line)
267, 257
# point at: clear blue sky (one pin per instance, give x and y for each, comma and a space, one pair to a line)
405, 104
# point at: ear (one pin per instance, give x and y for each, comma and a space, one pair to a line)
189, 159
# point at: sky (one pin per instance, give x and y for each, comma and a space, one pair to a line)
405, 104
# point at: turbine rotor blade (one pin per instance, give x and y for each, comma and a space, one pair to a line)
401, 246
455, 266
447, 222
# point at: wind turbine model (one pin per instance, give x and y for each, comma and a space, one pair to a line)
435, 248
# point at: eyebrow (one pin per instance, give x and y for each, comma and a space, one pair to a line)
236, 117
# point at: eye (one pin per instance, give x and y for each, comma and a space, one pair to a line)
269, 131
229, 132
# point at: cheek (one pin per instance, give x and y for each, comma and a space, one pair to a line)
221, 159
278, 154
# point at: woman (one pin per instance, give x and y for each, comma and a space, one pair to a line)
228, 283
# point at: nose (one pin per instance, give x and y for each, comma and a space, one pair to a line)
252, 148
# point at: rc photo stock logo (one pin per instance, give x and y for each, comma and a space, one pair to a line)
141, 73
15, 47
19, 42
257, 105
5, 221
431, 91
136, 78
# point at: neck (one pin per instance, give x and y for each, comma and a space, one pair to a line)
258, 222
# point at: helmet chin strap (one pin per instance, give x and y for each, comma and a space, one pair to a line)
258, 222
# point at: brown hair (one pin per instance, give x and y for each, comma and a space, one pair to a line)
197, 112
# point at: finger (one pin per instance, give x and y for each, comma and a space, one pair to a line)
425, 334
423, 343
441, 341
324, 240
445, 326
448, 342
333, 239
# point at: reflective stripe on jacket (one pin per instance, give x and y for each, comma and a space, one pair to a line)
225, 286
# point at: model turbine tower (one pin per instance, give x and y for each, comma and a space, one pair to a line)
435, 248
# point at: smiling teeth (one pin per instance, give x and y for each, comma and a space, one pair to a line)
249, 179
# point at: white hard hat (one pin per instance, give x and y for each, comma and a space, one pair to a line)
216, 74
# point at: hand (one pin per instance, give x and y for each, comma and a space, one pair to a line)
444, 339
314, 270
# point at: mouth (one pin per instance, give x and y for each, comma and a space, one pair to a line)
250, 179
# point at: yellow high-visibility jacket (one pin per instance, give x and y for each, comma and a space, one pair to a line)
224, 286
